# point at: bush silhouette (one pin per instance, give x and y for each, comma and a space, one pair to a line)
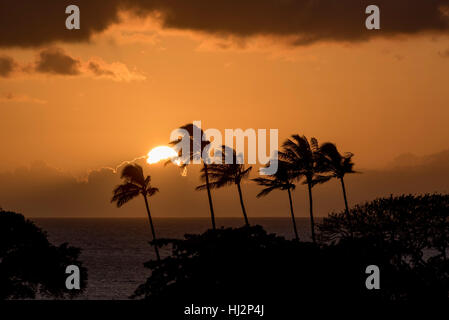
415, 230
247, 263
30, 265
403, 236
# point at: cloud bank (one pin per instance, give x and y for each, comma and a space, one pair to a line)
7, 66
25, 23
40, 190
19, 98
56, 61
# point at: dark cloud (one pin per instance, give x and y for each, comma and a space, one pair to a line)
308, 21
27, 23
98, 70
56, 61
444, 53
19, 98
7, 66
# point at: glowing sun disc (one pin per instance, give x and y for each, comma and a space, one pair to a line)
161, 153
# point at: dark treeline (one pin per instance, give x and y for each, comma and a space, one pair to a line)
405, 236
30, 265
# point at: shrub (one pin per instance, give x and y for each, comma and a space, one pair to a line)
249, 264
29, 264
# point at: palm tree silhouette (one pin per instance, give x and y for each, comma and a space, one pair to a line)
196, 152
135, 184
337, 165
280, 180
224, 174
303, 158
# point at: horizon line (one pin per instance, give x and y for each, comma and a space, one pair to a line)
208, 218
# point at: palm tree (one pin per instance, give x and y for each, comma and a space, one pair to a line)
196, 152
337, 165
302, 157
135, 184
224, 174
280, 180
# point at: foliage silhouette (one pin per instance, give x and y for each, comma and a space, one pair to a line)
418, 222
248, 262
30, 265
337, 165
225, 174
135, 184
303, 158
198, 148
416, 228
281, 180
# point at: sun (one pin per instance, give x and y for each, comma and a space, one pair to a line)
161, 153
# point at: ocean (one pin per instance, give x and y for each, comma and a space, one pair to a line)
114, 250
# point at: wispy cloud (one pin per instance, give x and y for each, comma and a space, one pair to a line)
19, 98
7, 66
116, 71
56, 61
444, 53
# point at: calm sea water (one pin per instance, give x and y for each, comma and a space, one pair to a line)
114, 250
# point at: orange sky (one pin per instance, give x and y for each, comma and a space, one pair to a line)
378, 98
384, 93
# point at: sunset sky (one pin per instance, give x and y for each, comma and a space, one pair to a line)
82, 100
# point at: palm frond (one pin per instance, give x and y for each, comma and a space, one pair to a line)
124, 193
334, 162
314, 144
280, 180
223, 174
214, 185
151, 191
265, 192
134, 173
196, 144
319, 179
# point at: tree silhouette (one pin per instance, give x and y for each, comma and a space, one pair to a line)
197, 149
280, 180
225, 174
31, 266
414, 228
303, 158
338, 165
135, 184
203, 266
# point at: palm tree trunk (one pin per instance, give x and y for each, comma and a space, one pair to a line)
293, 215
243, 205
312, 222
211, 206
152, 228
346, 206
344, 195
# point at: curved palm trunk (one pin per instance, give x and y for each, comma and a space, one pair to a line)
346, 205
152, 227
312, 222
242, 204
211, 206
344, 195
293, 215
